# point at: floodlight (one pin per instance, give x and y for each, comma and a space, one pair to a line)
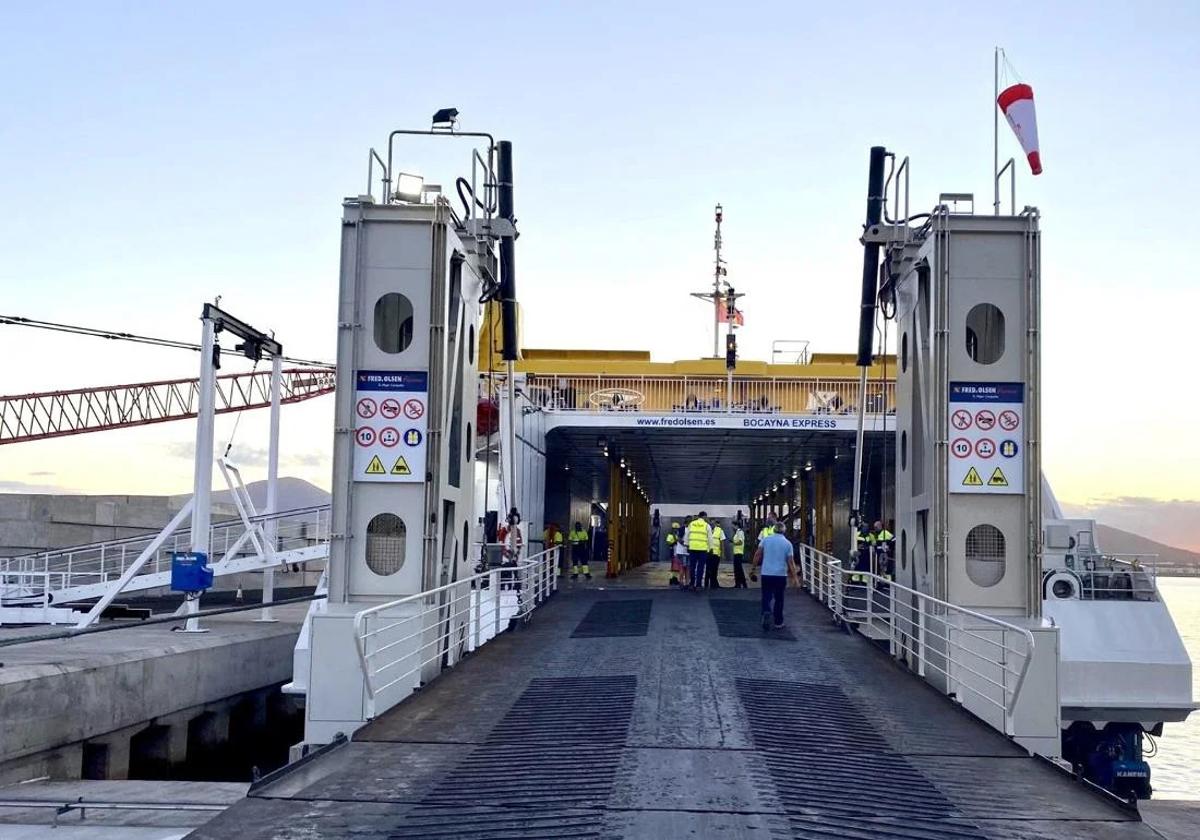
409, 187
445, 118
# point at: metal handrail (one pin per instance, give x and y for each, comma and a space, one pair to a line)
826, 580
149, 535
543, 565
666, 394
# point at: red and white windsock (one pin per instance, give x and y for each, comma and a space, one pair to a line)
1017, 104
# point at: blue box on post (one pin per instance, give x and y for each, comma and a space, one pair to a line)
190, 572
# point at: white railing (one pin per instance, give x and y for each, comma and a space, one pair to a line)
31, 575
700, 394
1102, 577
407, 642
978, 660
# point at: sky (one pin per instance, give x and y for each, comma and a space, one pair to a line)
153, 156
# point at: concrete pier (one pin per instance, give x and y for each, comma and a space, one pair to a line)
111, 810
137, 701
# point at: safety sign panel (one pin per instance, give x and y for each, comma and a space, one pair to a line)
390, 425
986, 421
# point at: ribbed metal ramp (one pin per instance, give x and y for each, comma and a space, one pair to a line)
695, 729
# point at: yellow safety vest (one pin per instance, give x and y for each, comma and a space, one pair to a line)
697, 535
739, 542
577, 537
670, 539
714, 544
883, 536
765, 532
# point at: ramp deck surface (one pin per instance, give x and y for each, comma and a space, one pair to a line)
693, 728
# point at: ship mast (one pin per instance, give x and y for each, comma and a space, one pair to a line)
722, 292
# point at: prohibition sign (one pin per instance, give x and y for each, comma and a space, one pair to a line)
366, 408
414, 409
985, 447
1009, 420
985, 419
961, 447
365, 436
390, 409
389, 436
961, 420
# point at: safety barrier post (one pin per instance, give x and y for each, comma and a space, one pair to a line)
1008, 724
478, 592
494, 586
837, 581
870, 600
893, 642
923, 652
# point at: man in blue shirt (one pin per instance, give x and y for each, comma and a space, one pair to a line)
777, 560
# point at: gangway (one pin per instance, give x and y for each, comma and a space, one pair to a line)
36, 583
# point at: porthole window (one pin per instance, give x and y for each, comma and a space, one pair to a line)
904, 353
903, 549
985, 333
985, 555
387, 541
903, 451
393, 323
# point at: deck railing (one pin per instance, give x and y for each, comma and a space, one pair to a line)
978, 660
30, 576
408, 641
1103, 577
706, 394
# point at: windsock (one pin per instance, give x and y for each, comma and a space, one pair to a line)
1017, 104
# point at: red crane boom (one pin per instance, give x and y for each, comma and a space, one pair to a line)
59, 413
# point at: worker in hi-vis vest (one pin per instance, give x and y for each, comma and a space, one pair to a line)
739, 554
578, 538
699, 543
768, 529
716, 548
883, 542
552, 537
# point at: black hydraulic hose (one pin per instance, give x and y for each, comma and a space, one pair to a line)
508, 259
866, 318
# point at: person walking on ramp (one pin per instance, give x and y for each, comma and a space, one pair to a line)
699, 540
775, 556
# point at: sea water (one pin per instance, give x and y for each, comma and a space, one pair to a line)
1175, 771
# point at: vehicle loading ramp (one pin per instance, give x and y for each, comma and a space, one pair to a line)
685, 721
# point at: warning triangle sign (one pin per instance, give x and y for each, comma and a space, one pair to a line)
401, 467
376, 467
997, 479
972, 479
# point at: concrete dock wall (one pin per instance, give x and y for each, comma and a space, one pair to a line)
142, 698
36, 522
